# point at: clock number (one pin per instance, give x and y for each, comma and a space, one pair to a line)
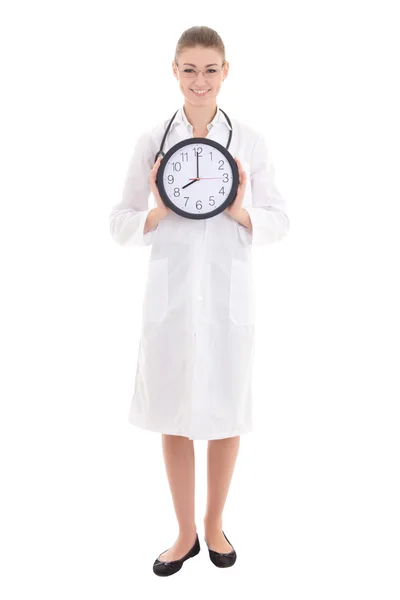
197, 151
175, 166
222, 191
186, 198
227, 178
221, 165
199, 205
183, 154
177, 194
210, 153
171, 179
211, 201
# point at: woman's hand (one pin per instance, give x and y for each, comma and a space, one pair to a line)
163, 208
235, 208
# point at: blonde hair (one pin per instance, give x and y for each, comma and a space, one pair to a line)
200, 36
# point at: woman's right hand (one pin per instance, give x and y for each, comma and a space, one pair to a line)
163, 208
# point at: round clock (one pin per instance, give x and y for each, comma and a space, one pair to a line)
198, 178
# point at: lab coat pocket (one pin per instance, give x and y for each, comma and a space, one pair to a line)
156, 296
241, 306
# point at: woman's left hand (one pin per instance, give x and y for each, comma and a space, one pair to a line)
236, 206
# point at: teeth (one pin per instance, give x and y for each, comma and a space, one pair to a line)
200, 92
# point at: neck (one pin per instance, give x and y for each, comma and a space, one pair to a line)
200, 116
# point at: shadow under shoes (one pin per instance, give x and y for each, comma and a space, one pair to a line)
165, 568
222, 559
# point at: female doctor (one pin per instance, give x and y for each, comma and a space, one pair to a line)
193, 378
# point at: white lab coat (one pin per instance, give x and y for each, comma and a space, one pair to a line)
196, 350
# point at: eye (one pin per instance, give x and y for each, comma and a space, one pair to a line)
213, 70
187, 70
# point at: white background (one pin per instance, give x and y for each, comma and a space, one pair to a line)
313, 505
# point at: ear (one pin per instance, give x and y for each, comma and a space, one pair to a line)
226, 70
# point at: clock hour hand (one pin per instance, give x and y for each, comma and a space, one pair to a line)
190, 183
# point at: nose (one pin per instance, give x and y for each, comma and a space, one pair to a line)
200, 76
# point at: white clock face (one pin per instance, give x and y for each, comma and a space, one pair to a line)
197, 178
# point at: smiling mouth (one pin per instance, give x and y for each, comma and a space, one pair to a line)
200, 93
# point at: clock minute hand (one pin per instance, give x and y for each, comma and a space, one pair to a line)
192, 179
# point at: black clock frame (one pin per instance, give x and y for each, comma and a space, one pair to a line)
187, 142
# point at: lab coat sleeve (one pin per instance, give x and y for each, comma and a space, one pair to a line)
270, 222
127, 218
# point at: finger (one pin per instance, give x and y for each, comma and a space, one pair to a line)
153, 172
156, 164
240, 167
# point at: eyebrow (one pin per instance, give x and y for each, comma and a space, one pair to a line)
192, 65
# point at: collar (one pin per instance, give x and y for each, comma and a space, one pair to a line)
182, 118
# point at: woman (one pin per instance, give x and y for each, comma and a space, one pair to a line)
193, 378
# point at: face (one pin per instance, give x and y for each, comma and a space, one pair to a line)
200, 57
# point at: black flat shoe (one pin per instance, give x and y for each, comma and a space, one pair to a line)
222, 559
165, 568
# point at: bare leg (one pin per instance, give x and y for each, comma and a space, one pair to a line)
221, 460
179, 461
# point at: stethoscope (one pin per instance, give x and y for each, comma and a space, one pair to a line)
170, 123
